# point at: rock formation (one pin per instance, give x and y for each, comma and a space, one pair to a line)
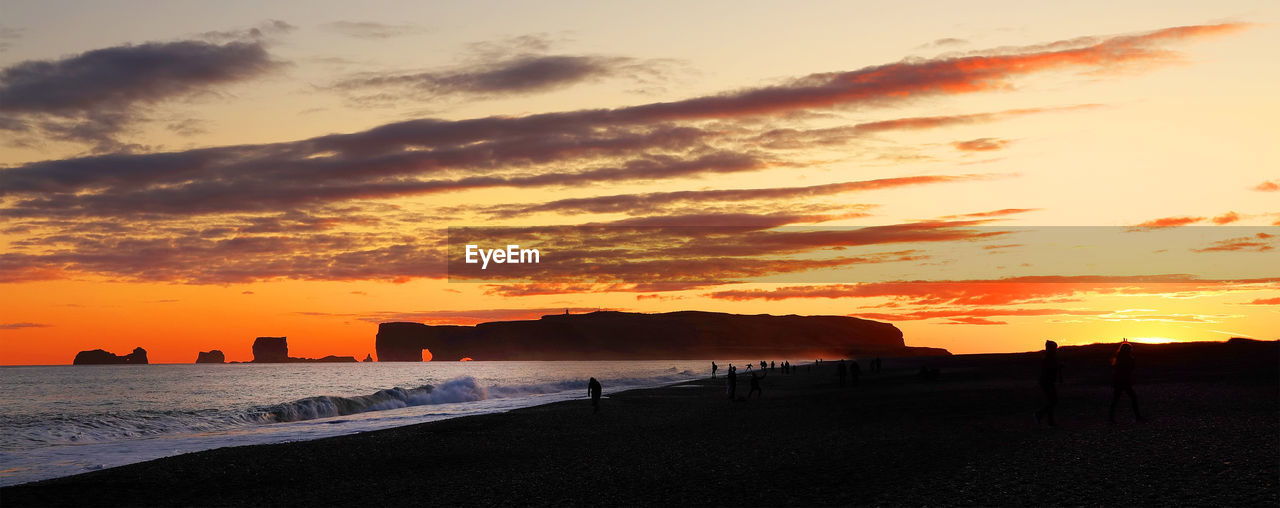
368, 358
100, 357
214, 356
276, 350
633, 336
270, 350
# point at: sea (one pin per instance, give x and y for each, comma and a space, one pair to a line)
64, 420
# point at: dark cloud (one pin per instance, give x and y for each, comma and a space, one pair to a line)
264, 30
94, 96
511, 76
945, 42
372, 30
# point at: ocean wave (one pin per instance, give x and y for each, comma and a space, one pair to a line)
23, 432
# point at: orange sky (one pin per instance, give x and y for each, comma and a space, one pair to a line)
197, 177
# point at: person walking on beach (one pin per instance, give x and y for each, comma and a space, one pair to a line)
594, 389
1122, 380
755, 384
713, 370
1050, 374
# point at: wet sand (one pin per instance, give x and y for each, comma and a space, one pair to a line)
968, 438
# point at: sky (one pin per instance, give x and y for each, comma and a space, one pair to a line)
187, 176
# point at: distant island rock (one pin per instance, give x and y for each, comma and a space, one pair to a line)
609, 335
100, 357
276, 350
214, 356
368, 358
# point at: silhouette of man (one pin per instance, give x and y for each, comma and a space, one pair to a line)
733, 382
1050, 375
755, 384
770, 366
842, 371
594, 389
1122, 379
713, 370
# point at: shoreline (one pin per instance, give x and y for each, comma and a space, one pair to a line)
967, 438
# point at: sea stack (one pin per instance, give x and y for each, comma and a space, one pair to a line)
270, 350
101, 357
214, 356
368, 358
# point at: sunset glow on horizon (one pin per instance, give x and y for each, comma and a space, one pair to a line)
204, 175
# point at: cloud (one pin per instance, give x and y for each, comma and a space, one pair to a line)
650, 141
94, 96
656, 201
980, 145
264, 30
523, 74
1264, 301
1226, 218
19, 326
372, 30
220, 214
993, 213
1257, 243
1267, 186
7, 36
995, 292
943, 42
1166, 222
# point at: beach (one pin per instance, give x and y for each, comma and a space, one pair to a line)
968, 437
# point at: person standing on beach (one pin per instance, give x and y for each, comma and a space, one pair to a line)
1050, 374
733, 382
713, 369
1122, 379
594, 389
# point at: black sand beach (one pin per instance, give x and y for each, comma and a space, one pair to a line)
967, 438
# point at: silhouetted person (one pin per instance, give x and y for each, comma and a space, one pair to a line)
1122, 380
770, 366
842, 371
713, 370
1050, 374
733, 382
855, 372
763, 364
875, 365
755, 385
594, 389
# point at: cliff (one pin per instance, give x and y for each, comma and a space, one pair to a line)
634, 336
214, 356
100, 357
